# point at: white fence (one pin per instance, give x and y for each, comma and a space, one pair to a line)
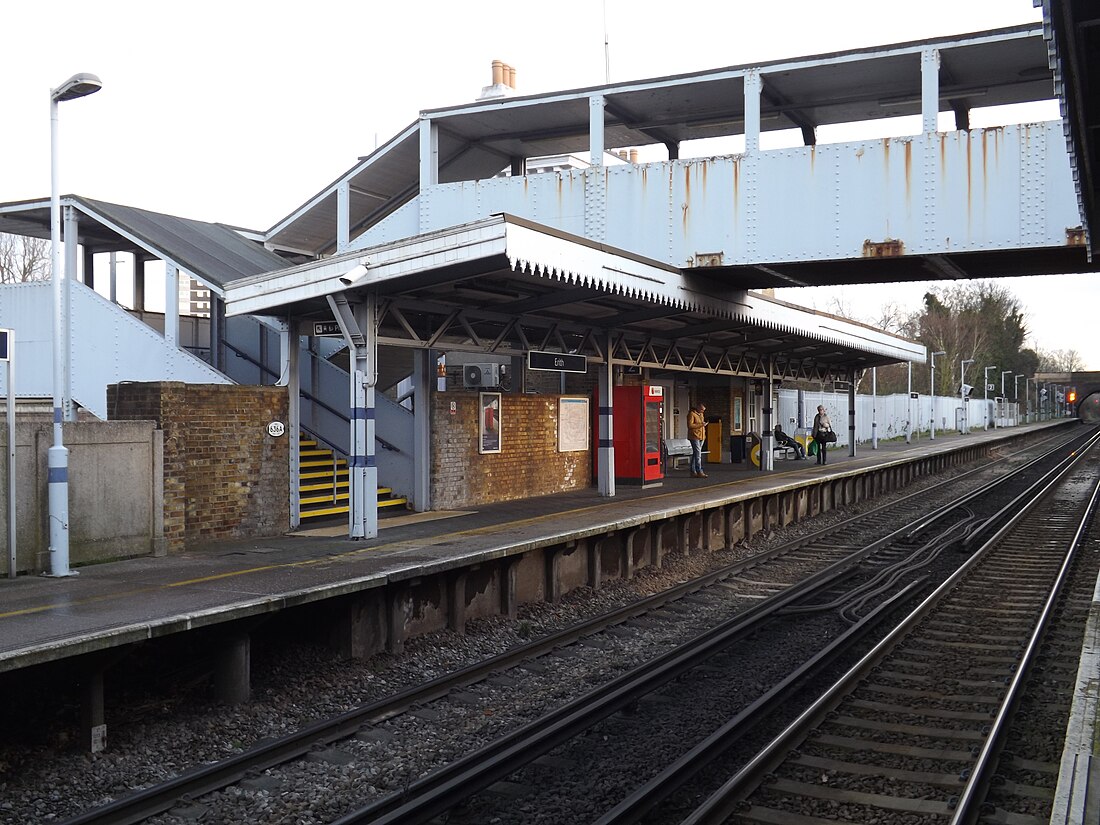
893, 416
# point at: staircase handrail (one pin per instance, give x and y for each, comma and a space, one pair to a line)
314, 399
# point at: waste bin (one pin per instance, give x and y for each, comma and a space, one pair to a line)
714, 442
737, 448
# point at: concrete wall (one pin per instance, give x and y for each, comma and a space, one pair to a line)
528, 465
115, 492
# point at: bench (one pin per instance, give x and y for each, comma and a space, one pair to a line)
679, 449
784, 451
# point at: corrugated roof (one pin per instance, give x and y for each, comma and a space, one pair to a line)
212, 253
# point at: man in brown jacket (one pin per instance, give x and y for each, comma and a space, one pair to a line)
697, 432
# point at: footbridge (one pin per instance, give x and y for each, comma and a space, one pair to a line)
942, 201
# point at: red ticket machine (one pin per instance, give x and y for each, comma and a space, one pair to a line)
639, 413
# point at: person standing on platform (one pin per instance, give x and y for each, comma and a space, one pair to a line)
697, 432
821, 427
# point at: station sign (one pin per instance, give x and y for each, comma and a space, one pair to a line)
556, 361
326, 328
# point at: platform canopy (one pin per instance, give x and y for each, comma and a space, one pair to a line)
477, 140
508, 286
211, 253
1074, 38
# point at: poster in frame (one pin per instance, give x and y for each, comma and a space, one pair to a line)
489, 422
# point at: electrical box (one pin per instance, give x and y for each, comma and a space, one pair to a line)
476, 376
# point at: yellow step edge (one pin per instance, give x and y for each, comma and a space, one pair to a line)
343, 509
340, 471
328, 511
340, 493
313, 488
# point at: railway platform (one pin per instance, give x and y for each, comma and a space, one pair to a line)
117, 603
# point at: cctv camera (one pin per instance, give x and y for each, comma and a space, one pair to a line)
352, 277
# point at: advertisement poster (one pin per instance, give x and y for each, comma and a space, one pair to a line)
489, 422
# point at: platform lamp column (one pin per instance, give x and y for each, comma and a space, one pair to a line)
1003, 374
965, 395
985, 383
932, 390
1016, 393
57, 460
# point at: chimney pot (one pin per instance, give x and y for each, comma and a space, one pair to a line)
633, 155
498, 73
512, 76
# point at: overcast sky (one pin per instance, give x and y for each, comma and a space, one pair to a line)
240, 111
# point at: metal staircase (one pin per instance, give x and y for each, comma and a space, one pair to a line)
323, 483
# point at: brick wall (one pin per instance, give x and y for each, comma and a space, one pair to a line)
224, 476
529, 463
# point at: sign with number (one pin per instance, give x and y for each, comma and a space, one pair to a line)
276, 429
326, 328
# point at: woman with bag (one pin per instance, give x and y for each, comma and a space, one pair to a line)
822, 433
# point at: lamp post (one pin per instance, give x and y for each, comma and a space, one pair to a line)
932, 391
985, 381
909, 405
57, 461
1016, 393
965, 395
1001, 409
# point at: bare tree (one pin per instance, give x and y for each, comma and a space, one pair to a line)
23, 259
1060, 360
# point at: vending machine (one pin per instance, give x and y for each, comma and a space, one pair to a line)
639, 424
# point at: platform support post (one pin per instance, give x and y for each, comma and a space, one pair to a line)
93, 718
456, 603
233, 670
423, 372
852, 416
767, 457
509, 586
606, 446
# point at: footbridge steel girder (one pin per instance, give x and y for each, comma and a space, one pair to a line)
932, 195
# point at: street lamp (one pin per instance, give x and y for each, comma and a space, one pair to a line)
985, 380
57, 461
965, 395
932, 391
1001, 408
1016, 393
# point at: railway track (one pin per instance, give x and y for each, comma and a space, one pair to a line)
854, 557
916, 732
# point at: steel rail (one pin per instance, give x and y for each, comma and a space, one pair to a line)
653, 792
441, 790
967, 809
726, 800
